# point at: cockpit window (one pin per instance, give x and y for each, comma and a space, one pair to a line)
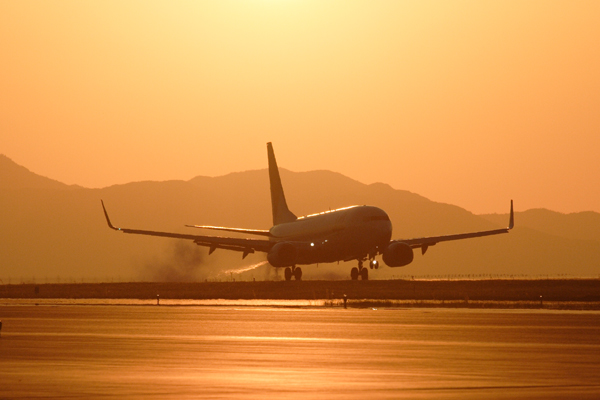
377, 218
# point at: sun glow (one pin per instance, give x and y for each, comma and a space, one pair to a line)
456, 95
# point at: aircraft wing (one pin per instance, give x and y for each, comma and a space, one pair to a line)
425, 242
244, 245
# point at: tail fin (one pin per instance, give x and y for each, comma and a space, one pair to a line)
281, 213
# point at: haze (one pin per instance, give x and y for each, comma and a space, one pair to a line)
465, 102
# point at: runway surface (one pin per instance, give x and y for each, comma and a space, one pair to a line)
175, 352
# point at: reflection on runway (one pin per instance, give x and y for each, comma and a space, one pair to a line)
297, 353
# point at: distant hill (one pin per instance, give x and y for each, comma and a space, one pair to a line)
580, 226
53, 232
14, 176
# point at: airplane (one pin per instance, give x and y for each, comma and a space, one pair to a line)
358, 233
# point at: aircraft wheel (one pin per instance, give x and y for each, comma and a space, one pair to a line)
354, 273
298, 273
288, 273
364, 274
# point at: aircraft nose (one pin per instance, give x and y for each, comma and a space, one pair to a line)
385, 231
388, 230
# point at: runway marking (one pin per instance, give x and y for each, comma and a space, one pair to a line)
370, 340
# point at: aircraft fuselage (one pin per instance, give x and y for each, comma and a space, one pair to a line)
338, 235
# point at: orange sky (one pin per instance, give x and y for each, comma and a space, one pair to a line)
466, 102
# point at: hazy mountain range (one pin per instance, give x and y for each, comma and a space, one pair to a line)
52, 232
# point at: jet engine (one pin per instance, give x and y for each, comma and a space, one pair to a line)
397, 254
283, 254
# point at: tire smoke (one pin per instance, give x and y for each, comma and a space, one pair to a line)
184, 262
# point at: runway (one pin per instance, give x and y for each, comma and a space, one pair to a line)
175, 352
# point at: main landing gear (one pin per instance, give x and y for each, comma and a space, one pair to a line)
296, 272
361, 271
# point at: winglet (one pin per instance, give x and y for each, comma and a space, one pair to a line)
108, 219
511, 222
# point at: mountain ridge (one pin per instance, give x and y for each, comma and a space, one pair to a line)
15, 176
58, 234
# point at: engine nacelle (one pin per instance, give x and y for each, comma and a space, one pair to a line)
283, 254
398, 254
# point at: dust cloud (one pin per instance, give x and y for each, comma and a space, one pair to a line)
330, 275
183, 262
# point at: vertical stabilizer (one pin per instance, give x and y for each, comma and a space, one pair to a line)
281, 213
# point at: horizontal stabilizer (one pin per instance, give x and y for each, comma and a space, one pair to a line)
259, 232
